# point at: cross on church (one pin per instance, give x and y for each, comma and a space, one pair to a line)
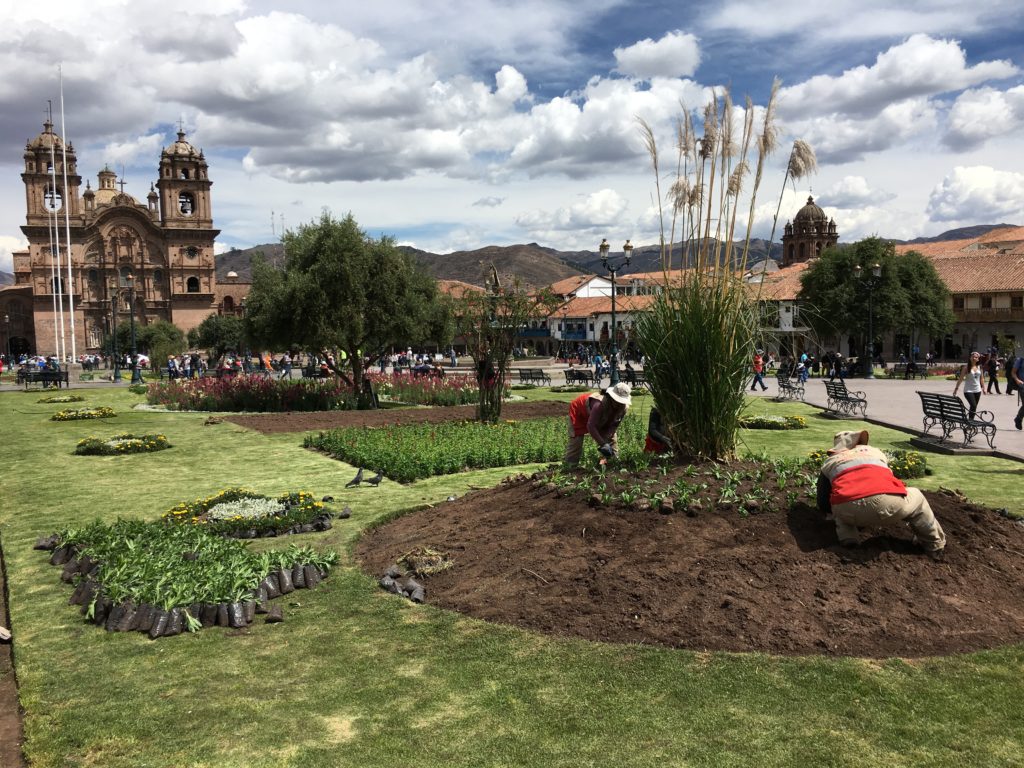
121, 184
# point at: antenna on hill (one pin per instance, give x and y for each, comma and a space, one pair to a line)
282, 224
273, 230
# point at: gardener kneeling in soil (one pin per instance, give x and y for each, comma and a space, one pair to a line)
859, 490
657, 439
599, 416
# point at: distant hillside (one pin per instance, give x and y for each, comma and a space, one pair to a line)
963, 233
533, 264
6, 278
240, 261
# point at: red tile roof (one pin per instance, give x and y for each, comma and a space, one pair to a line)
457, 288
602, 305
570, 284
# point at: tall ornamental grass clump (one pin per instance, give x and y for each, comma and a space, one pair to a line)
703, 328
252, 393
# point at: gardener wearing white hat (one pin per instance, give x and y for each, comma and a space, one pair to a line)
858, 488
599, 416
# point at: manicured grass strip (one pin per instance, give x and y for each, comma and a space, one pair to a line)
414, 451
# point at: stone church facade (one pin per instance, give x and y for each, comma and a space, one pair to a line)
159, 253
810, 233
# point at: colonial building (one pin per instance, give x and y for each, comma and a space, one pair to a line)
153, 258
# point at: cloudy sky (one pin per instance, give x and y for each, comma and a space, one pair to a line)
454, 124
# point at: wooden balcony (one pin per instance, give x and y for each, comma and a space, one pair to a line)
990, 315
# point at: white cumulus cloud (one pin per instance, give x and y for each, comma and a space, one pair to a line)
677, 54
854, 192
984, 113
978, 194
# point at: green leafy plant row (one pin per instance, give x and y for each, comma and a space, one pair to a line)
61, 399
414, 451
174, 574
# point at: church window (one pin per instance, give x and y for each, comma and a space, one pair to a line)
93, 275
186, 204
57, 285
192, 285
158, 277
184, 173
229, 304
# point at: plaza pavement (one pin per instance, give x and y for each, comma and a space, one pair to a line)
895, 403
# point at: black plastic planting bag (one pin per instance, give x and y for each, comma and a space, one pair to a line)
298, 577
60, 555
103, 606
208, 614
114, 618
271, 584
312, 576
175, 622
236, 615
223, 619
160, 619
249, 608
284, 580
127, 622
144, 617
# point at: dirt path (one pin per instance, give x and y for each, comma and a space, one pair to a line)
270, 423
776, 582
11, 732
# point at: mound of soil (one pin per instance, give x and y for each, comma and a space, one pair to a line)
776, 582
269, 423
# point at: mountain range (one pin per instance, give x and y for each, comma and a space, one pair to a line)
533, 264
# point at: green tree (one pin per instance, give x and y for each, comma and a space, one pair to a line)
157, 339
909, 293
343, 290
219, 333
490, 323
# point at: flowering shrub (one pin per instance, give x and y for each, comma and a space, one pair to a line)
457, 389
77, 414
252, 393
413, 451
773, 422
242, 513
906, 465
120, 444
61, 399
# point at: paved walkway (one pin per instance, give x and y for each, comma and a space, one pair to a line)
894, 402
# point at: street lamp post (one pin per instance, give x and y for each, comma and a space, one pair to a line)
613, 269
136, 373
10, 355
113, 331
871, 282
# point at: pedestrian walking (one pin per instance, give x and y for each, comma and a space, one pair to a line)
992, 370
972, 376
758, 371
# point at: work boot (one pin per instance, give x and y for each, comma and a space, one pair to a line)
938, 555
1017, 424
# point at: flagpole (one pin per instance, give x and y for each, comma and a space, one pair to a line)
58, 293
67, 217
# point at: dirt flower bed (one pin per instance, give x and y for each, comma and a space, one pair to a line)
61, 399
603, 558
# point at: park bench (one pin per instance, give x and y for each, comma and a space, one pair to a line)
906, 371
948, 413
789, 388
46, 378
843, 402
579, 376
635, 378
533, 376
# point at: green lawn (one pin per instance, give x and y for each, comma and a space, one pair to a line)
358, 677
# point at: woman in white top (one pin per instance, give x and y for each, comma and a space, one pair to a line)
972, 376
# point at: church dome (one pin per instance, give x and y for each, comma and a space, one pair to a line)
180, 147
810, 213
46, 139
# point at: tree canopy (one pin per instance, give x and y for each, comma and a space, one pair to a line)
341, 289
909, 294
219, 333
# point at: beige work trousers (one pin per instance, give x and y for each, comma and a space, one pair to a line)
887, 510
574, 448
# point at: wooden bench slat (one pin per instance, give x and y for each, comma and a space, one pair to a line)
948, 413
842, 401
